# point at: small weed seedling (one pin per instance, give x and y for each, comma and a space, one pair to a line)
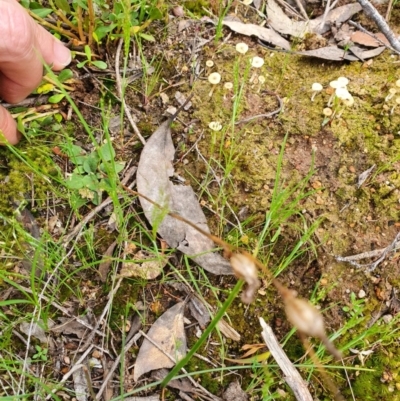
88, 177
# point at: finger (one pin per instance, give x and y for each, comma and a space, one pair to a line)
8, 127
22, 55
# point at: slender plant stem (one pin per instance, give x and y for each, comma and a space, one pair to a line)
235, 291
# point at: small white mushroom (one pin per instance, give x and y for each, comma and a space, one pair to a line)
316, 88
392, 92
214, 79
228, 86
242, 48
327, 112
333, 84
343, 82
210, 63
342, 93
215, 126
261, 79
397, 100
398, 83
247, 2
348, 102
257, 62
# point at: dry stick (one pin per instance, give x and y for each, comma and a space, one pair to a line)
328, 8
301, 8
78, 365
103, 314
389, 10
372, 266
371, 11
63, 310
120, 94
362, 29
77, 230
292, 376
195, 384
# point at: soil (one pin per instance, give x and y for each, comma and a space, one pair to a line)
332, 154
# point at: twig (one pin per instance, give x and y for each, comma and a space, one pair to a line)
75, 232
292, 376
267, 115
371, 266
371, 11
389, 10
120, 93
362, 29
63, 310
328, 8
103, 314
302, 10
78, 365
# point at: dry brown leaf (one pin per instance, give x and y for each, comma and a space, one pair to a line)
364, 39
169, 334
264, 34
228, 331
147, 266
153, 180
362, 54
278, 20
34, 330
235, 393
336, 16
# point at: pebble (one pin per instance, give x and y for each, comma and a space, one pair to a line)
361, 294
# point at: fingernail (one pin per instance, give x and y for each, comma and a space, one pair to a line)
62, 55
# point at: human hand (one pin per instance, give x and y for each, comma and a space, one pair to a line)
24, 45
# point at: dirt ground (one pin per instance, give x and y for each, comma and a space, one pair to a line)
353, 219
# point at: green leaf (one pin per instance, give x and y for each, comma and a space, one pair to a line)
56, 98
119, 167
75, 181
106, 152
63, 5
73, 150
90, 163
155, 13
42, 12
147, 37
81, 64
64, 75
102, 31
88, 52
101, 65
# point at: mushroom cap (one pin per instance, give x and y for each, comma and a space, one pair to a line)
228, 85
398, 83
242, 48
247, 2
348, 101
397, 100
316, 86
334, 84
209, 63
261, 79
214, 78
257, 62
343, 81
392, 91
327, 111
215, 125
342, 93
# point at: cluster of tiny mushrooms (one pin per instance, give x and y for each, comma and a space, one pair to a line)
338, 91
215, 78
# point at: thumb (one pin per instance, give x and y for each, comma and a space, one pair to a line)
8, 128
